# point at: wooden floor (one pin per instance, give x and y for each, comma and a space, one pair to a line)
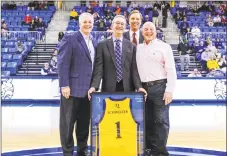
19, 132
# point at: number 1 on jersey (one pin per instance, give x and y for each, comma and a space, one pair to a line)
118, 130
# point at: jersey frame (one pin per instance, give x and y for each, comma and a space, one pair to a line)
97, 96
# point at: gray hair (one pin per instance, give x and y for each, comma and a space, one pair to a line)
149, 23
84, 16
119, 16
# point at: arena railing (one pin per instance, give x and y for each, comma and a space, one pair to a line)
22, 35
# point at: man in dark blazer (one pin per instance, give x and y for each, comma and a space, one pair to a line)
115, 63
134, 34
75, 65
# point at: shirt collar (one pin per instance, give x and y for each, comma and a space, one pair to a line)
151, 42
131, 32
86, 36
114, 39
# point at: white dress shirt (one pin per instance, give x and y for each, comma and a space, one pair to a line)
90, 46
155, 61
137, 35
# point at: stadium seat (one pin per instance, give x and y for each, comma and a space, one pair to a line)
5, 73
12, 67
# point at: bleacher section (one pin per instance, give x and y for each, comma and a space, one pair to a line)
12, 60
14, 18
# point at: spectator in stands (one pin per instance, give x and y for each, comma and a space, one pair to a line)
183, 15
204, 7
218, 44
21, 48
125, 14
216, 73
134, 34
31, 5
117, 10
184, 51
195, 10
53, 61
60, 36
195, 31
41, 24
36, 5
211, 73
184, 26
27, 20
223, 21
177, 16
96, 16
46, 70
212, 63
109, 15
32, 26
3, 21
12, 6
209, 21
165, 9
222, 64
146, 19
101, 24
195, 73
196, 49
135, 6
74, 15
217, 20
212, 50
36, 20
204, 59
207, 41
89, 9
147, 7
4, 30
155, 15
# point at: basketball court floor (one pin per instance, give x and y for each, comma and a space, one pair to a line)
32, 130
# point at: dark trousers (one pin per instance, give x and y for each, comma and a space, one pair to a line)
156, 120
74, 110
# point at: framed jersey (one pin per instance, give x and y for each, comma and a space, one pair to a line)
117, 124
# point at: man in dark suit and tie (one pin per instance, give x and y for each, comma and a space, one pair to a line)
134, 34
115, 63
75, 65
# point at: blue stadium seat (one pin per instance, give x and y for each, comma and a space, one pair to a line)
5, 73
4, 50
3, 65
12, 67
9, 44
17, 58
12, 50
7, 57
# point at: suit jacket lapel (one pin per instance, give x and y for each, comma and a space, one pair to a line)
84, 45
110, 46
141, 38
124, 51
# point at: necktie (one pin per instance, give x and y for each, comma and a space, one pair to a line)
118, 60
134, 39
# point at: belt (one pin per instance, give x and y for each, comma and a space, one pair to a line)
151, 83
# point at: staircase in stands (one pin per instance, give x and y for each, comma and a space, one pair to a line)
35, 60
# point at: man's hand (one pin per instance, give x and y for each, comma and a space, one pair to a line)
91, 90
65, 92
144, 91
168, 97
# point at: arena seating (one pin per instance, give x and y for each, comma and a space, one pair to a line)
11, 59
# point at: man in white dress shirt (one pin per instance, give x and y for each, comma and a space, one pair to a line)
134, 34
157, 72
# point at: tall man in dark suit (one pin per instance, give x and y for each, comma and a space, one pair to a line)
75, 65
134, 34
115, 63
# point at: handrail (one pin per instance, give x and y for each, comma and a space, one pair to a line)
20, 35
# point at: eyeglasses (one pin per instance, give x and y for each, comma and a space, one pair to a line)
120, 23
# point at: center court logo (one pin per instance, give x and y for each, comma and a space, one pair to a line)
7, 88
220, 89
